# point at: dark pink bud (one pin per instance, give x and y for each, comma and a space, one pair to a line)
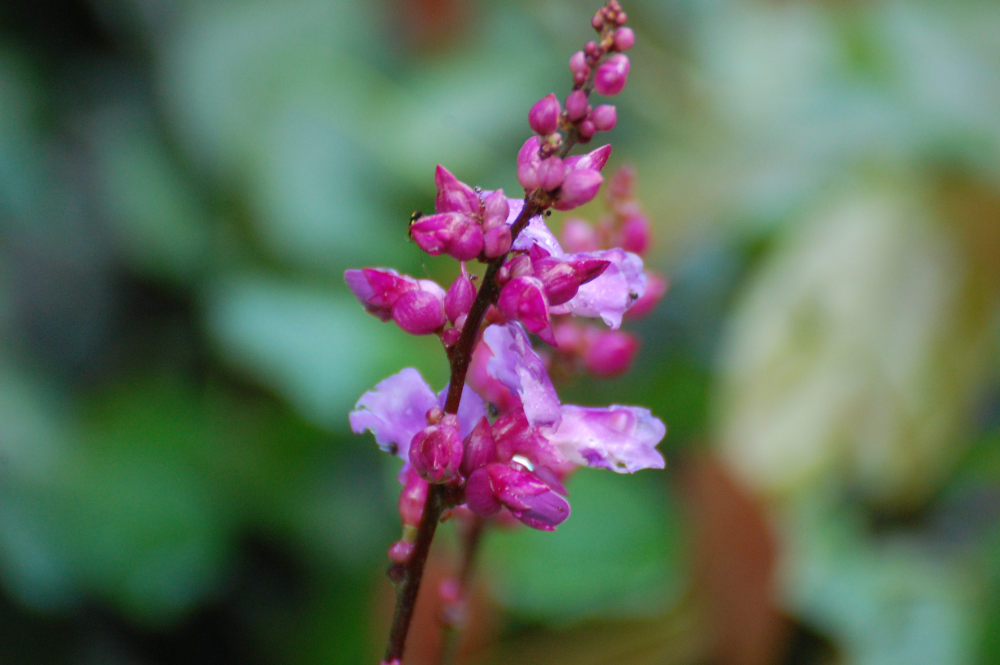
453, 233
544, 115
436, 451
480, 449
412, 498
610, 353
514, 435
611, 75
562, 279
400, 552
453, 194
495, 210
595, 159
578, 236
656, 287
586, 129
526, 496
420, 311
635, 234
579, 187
604, 117
496, 241
551, 173
624, 39
460, 295
378, 289
577, 105
479, 495
523, 299
528, 162
578, 64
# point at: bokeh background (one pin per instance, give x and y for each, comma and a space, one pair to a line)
182, 185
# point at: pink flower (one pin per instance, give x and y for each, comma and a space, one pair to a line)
524, 494
436, 450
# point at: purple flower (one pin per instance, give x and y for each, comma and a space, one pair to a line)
394, 411
516, 365
613, 292
620, 438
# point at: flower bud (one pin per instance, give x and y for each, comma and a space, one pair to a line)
400, 552
420, 311
609, 353
436, 451
604, 117
624, 39
551, 173
480, 449
496, 241
460, 295
577, 105
544, 115
412, 498
523, 493
523, 299
528, 162
378, 289
578, 64
453, 233
586, 130
611, 75
595, 159
635, 234
496, 209
579, 187
453, 194
562, 279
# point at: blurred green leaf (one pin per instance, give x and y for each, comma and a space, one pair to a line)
618, 553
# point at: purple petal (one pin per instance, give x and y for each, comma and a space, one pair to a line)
620, 438
516, 365
535, 233
394, 411
470, 410
611, 293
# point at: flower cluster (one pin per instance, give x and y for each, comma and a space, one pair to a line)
498, 438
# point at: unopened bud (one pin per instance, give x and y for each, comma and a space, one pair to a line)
544, 115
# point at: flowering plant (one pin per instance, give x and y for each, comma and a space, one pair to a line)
497, 443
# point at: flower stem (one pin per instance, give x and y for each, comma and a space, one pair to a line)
439, 497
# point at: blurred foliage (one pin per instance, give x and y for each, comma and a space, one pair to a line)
182, 185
